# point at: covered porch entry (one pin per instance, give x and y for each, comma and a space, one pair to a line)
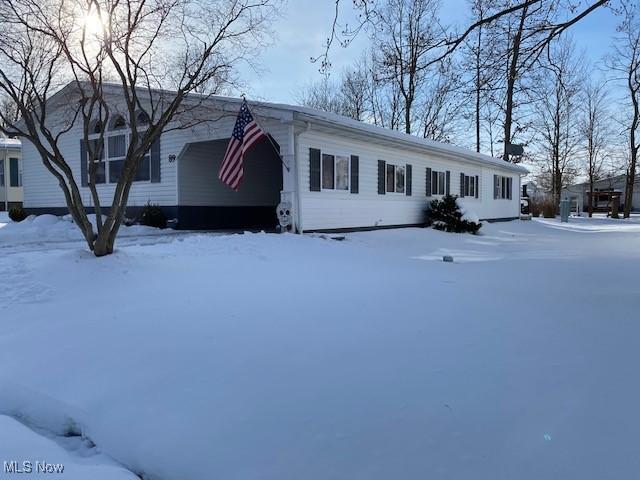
204, 202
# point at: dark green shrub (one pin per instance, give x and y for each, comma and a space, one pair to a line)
153, 216
445, 214
17, 214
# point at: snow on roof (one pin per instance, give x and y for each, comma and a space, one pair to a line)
311, 115
394, 135
10, 143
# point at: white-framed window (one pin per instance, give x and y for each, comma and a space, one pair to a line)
335, 172
438, 182
503, 187
469, 186
112, 157
396, 178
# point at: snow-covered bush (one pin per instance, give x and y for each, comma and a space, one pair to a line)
446, 214
17, 214
153, 216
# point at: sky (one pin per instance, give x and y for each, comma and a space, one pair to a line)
305, 24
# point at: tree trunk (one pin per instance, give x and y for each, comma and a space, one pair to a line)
478, 87
590, 200
511, 82
631, 180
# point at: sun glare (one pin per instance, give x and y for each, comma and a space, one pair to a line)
93, 23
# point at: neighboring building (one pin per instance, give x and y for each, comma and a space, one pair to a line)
579, 194
530, 189
342, 174
10, 173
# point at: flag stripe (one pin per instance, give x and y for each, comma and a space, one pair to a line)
246, 133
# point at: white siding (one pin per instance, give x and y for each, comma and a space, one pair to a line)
41, 188
331, 210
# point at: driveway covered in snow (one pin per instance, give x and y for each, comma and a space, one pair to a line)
290, 357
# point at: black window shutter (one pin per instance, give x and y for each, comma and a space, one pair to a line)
155, 161
382, 166
448, 187
355, 173
462, 184
314, 170
428, 182
84, 176
14, 175
409, 180
495, 187
477, 186
509, 185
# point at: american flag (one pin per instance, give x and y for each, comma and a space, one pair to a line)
245, 135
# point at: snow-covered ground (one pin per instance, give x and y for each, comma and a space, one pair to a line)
299, 357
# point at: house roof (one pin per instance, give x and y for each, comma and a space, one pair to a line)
13, 143
334, 120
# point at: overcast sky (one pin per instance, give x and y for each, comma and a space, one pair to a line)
306, 23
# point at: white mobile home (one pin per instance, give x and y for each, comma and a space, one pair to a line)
334, 173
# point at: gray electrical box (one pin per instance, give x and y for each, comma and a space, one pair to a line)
565, 209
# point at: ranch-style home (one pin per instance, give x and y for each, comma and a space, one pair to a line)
331, 172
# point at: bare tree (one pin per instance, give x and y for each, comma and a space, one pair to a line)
322, 95
147, 47
8, 112
559, 85
479, 61
625, 63
440, 103
594, 133
372, 12
407, 33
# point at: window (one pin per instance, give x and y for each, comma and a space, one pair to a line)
2, 178
101, 172
391, 178
335, 172
469, 186
112, 156
15, 172
118, 123
328, 171
400, 179
396, 178
502, 187
117, 150
438, 183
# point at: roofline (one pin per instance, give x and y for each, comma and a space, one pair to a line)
443, 149
334, 120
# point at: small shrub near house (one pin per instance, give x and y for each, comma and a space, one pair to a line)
153, 216
17, 214
446, 215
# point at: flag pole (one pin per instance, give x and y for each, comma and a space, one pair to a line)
275, 149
